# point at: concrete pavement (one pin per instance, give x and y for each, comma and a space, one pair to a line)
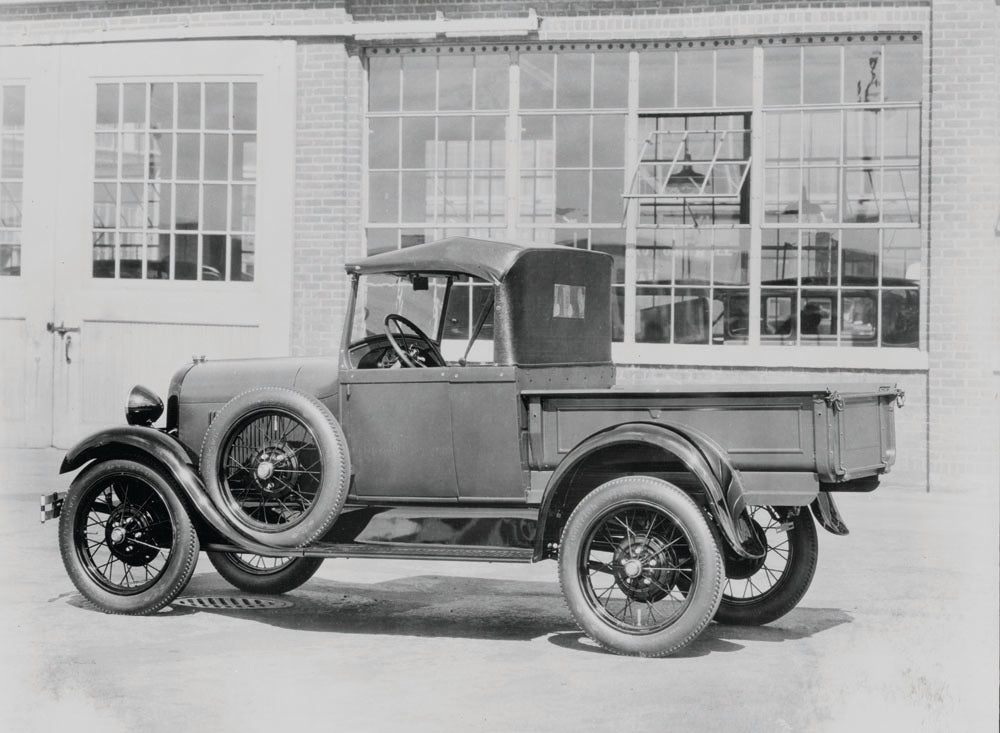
898, 632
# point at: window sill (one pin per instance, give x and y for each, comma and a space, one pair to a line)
802, 357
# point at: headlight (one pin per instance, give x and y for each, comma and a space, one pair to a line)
144, 407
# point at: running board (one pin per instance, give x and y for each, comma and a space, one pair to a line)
399, 551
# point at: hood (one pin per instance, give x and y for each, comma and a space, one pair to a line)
219, 381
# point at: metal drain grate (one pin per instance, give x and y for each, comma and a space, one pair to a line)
231, 603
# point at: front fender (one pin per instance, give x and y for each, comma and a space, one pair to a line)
148, 444
702, 456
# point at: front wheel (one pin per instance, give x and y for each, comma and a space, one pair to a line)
763, 590
268, 575
126, 539
639, 567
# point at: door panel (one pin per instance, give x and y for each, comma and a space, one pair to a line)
398, 427
487, 434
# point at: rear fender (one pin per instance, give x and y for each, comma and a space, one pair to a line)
702, 456
169, 455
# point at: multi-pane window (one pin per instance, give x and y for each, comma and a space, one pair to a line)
175, 180
651, 152
11, 177
840, 252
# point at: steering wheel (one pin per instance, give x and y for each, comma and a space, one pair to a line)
410, 356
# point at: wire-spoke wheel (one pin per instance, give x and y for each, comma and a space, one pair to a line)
259, 574
275, 463
639, 567
763, 590
126, 539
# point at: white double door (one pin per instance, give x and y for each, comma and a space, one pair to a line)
74, 338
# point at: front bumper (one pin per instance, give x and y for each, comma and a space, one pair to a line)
51, 505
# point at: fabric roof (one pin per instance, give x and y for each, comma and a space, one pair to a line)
482, 258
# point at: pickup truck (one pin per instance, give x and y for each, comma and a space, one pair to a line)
665, 507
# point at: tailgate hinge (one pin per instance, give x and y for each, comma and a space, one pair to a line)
834, 400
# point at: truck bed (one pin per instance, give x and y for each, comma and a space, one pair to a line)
837, 432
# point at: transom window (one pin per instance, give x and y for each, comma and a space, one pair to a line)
657, 153
11, 177
175, 173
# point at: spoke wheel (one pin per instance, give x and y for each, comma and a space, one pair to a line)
126, 539
275, 464
763, 590
639, 567
259, 574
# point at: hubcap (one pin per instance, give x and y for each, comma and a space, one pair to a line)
632, 568
117, 535
265, 469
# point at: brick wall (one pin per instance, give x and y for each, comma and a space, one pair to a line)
327, 195
965, 194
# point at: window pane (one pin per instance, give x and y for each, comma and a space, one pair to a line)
455, 82
161, 155
383, 83
572, 196
189, 106
105, 205
656, 78
216, 157
733, 78
821, 195
161, 106
731, 257
609, 140
607, 196
537, 149
417, 194
492, 81
418, 142
537, 201
610, 80
107, 106
779, 316
862, 192
454, 142
13, 107
130, 208
419, 79
731, 316
573, 77
612, 242
536, 79
134, 105
782, 76
902, 136
901, 318
186, 266
12, 156
822, 137
859, 257
241, 258
490, 142
244, 157
383, 197
131, 253
214, 218
217, 106
10, 205
382, 240
213, 257
489, 199
901, 195
904, 72
104, 254
782, 189
245, 114
158, 257
158, 214
243, 215
573, 141
819, 257
652, 315
859, 314
783, 141
821, 66
817, 318
862, 73
188, 152
901, 257
779, 257
383, 142
694, 79
186, 205
861, 135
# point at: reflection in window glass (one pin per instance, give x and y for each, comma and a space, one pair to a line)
537, 80
455, 82
782, 76
821, 74
419, 81
904, 72
492, 79
158, 189
862, 73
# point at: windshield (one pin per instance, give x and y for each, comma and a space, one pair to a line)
380, 295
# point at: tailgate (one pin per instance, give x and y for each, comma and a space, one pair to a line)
859, 433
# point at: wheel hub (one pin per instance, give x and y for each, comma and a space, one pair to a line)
273, 469
644, 568
128, 537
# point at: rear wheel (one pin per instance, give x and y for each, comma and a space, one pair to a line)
267, 575
760, 591
126, 539
639, 567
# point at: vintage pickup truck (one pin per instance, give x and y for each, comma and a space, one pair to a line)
665, 506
